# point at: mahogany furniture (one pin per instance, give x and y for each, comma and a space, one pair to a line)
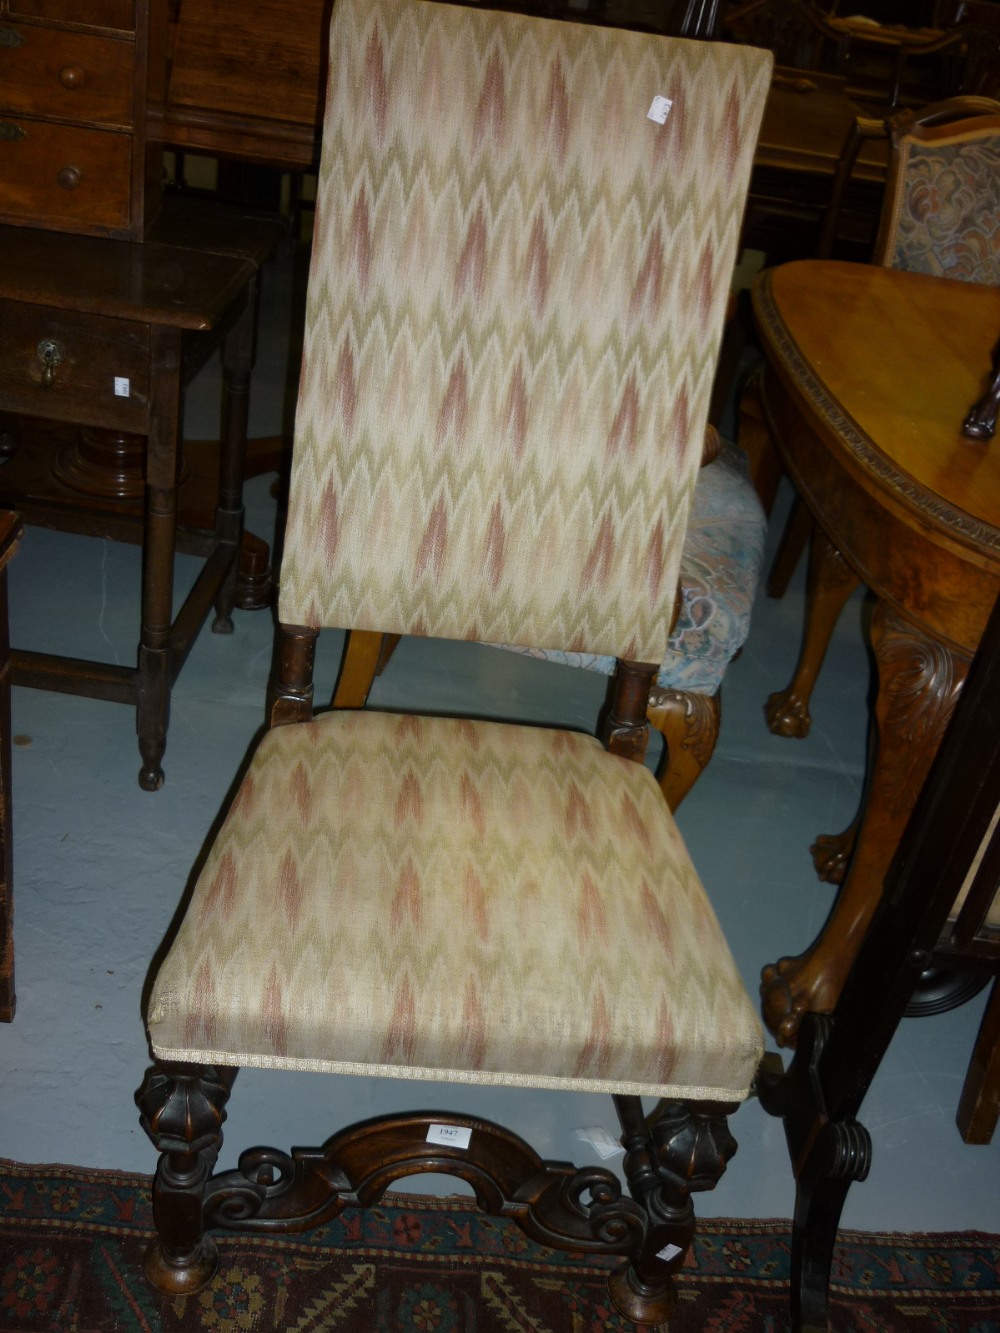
81, 114
502, 411
105, 333
10, 531
868, 379
939, 906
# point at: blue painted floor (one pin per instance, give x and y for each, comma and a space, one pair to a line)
100, 867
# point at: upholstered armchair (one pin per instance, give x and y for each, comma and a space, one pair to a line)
518, 284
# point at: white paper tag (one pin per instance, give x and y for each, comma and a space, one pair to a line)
669, 1252
601, 1141
122, 388
452, 1136
660, 109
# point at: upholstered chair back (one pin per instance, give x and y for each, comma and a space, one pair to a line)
518, 284
942, 214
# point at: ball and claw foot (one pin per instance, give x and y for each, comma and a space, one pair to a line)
787, 715
831, 853
781, 1008
183, 1277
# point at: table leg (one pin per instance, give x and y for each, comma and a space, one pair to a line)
831, 582
919, 681
162, 457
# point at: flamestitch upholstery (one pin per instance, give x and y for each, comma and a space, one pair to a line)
514, 309
947, 216
516, 297
456, 900
720, 569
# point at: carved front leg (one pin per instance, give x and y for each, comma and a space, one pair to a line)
831, 582
183, 1110
682, 1149
689, 725
919, 684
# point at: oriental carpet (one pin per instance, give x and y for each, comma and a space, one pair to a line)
72, 1240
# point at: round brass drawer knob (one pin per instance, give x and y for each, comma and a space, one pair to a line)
72, 76
69, 178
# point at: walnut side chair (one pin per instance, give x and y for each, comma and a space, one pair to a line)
517, 292
941, 216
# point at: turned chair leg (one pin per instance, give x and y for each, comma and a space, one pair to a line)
182, 1110
683, 1147
689, 725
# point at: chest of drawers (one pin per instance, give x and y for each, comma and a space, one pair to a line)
81, 112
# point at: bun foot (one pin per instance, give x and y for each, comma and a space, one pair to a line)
642, 1302
183, 1276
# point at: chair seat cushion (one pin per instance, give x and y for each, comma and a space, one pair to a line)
720, 569
446, 899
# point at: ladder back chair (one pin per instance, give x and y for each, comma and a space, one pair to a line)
518, 284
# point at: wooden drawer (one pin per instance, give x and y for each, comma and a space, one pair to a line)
65, 75
90, 13
63, 177
94, 352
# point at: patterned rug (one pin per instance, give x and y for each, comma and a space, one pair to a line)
71, 1245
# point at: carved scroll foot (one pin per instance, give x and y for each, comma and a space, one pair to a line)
919, 684
689, 725
182, 1110
831, 853
831, 582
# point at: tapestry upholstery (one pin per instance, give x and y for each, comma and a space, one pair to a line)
517, 292
720, 569
946, 217
447, 899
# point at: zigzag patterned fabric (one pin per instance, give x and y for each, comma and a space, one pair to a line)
444, 899
517, 292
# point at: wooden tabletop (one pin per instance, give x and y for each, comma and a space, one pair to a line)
880, 355
185, 275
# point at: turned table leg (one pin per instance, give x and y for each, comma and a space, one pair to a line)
831, 582
919, 681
